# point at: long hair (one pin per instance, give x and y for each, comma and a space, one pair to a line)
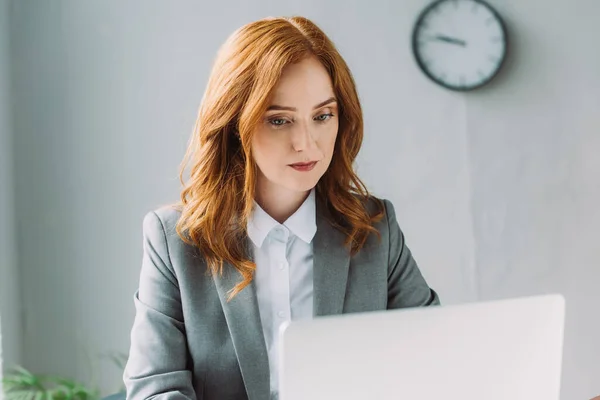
217, 200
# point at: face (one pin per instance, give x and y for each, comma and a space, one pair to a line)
293, 144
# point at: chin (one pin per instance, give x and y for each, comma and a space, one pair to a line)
300, 186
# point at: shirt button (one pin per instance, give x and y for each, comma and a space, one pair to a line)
281, 266
281, 314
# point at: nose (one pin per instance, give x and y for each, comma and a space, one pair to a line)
302, 138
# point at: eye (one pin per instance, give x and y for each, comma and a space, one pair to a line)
278, 122
324, 117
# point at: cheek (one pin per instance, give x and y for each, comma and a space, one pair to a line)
266, 150
327, 144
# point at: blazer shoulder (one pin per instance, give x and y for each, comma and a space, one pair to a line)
165, 217
373, 204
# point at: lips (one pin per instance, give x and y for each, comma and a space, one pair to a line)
304, 166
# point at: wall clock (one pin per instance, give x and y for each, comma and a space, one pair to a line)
460, 44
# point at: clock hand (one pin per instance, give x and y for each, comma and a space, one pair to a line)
447, 39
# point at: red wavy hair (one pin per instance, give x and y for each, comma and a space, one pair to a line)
217, 200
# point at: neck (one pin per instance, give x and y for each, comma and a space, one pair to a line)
279, 202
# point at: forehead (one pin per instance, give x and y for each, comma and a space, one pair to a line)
305, 83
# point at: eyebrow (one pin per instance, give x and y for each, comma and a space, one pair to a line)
321, 104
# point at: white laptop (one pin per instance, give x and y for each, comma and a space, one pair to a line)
499, 350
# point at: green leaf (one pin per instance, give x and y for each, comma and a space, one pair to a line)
20, 384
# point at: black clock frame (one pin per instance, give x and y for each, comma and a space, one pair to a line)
421, 64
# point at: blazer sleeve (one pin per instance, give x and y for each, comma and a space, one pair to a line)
158, 356
406, 285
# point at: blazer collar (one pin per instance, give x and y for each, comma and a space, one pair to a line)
243, 319
331, 261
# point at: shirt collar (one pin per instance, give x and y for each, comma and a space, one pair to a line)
302, 223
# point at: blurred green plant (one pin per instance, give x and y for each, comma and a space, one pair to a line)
21, 384
118, 359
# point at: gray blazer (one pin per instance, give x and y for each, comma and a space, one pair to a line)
188, 342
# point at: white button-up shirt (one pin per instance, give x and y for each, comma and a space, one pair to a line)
284, 272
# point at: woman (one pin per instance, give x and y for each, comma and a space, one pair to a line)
275, 214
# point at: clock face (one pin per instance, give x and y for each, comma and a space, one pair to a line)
459, 44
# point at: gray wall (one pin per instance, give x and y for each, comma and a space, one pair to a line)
10, 304
495, 189
534, 142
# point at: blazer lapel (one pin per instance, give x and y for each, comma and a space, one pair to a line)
245, 328
331, 260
